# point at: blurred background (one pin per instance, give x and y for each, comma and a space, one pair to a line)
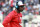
31, 12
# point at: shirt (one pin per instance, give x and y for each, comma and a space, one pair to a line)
12, 19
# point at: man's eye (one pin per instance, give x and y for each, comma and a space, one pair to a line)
22, 6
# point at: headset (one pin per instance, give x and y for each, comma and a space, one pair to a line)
17, 7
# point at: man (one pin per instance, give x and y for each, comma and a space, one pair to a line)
13, 19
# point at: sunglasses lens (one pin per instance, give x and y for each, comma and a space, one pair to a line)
21, 6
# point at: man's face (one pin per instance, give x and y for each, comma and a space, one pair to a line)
21, 8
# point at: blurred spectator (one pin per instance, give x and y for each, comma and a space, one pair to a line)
1, 16
0, 5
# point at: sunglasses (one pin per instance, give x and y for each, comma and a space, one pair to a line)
21, 6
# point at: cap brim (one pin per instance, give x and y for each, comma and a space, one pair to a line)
22, 5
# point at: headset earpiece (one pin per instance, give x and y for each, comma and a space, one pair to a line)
17, 5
